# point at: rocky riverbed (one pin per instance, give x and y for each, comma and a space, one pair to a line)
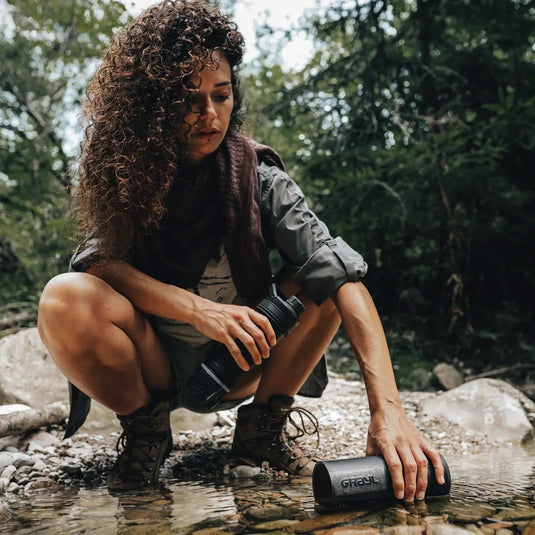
484, 428
43, 460
40, 462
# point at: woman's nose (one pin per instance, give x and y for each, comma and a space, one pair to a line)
208, 109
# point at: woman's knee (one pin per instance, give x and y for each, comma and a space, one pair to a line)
65, 294
69, 305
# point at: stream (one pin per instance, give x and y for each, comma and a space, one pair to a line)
492, 492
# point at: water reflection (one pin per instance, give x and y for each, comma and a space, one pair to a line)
481, 485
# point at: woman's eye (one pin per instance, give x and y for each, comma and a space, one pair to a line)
221, 98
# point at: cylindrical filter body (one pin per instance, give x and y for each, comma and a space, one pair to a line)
347, 482
216, 376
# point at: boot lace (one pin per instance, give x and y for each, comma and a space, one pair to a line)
299, 423
138, 451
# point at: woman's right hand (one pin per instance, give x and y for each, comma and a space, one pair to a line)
229, 323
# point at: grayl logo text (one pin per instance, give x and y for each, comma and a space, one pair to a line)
358, 481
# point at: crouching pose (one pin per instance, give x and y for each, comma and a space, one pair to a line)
181, 211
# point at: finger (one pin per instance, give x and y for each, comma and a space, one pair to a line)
236, 354
421, 478
259, 338
265, 325
434, 456
395, 467
250, 346
410, 472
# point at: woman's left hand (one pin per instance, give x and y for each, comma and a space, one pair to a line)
406, 452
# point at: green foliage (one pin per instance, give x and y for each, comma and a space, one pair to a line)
47, 51
412, 131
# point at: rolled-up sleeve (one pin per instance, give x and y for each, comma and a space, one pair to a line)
323, 263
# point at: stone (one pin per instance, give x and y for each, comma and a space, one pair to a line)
21, 459
349, 530
404, 530
38, 441
447, 375
529, 529
6, 458
325, 521
41, 483
244, 471
45, 384
8, 472
446, 529
520, 512
275, 524
13, 488
486, 406
271, 513
470, 513
5, 513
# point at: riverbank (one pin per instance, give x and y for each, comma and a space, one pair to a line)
43, 460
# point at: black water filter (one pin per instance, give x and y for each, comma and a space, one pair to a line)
216, 376
350, 482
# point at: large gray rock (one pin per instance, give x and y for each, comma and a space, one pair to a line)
486, 406
27, 373
28, 376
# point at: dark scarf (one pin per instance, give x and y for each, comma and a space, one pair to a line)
216, 204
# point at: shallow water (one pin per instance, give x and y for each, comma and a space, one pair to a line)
484, 486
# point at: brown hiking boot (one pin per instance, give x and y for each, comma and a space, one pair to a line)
261, 435
146, 441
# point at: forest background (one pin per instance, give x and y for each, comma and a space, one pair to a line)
411, 130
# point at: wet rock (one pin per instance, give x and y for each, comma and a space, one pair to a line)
487, 406
520, 512
349, 530
474, 529
447, 375
271, 513
495, 526
446, 529
5, 514
470, 513
404, 530
387, 517
275, 524
503, 531
244, 471
325, 521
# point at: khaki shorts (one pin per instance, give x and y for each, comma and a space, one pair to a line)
185, 359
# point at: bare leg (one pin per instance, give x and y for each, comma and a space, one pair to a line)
294, 357
101, 343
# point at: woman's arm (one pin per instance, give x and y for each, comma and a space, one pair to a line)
391, 433
224, 323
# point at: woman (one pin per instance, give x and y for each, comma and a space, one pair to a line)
182, 211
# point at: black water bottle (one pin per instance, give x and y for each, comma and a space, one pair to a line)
350, 482
216, 376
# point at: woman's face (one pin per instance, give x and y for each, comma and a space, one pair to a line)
206, 121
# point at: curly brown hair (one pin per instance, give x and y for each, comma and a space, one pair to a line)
135, 102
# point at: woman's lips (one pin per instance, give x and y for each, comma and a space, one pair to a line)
207, 134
